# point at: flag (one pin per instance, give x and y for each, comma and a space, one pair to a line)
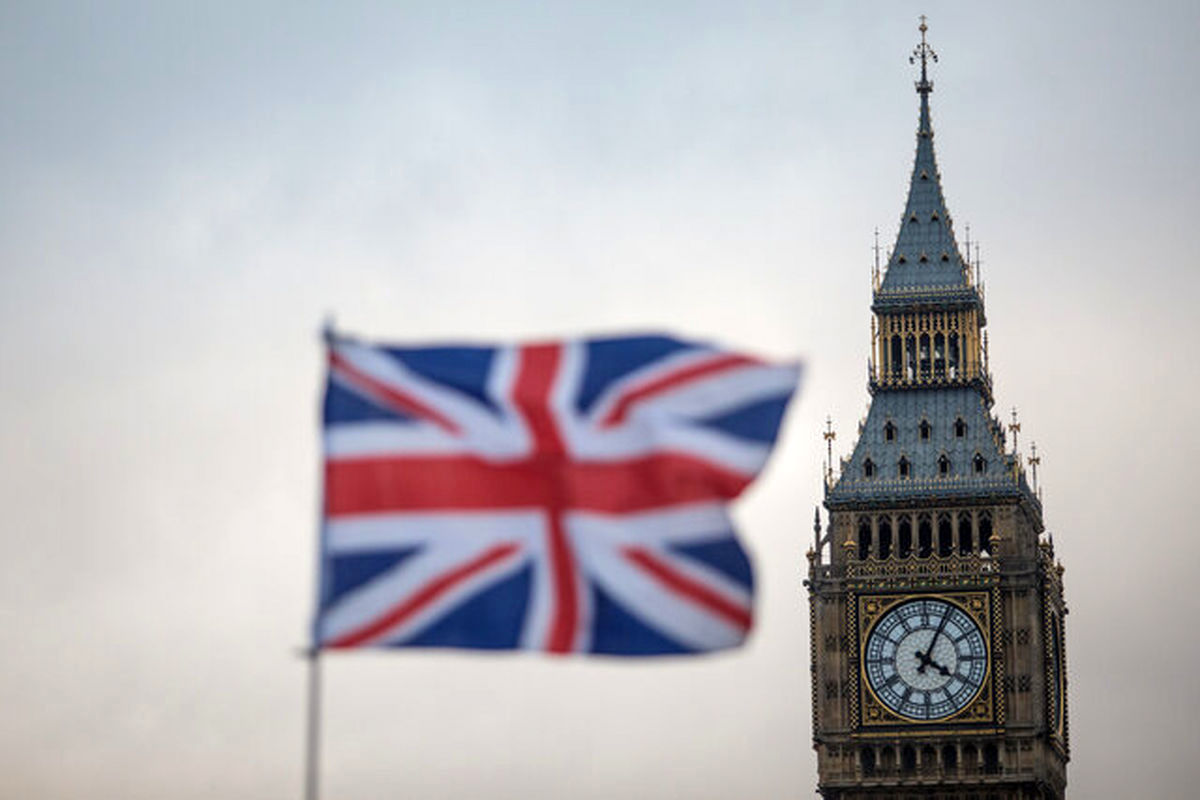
564, 497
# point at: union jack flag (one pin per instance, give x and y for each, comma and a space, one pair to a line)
565, 497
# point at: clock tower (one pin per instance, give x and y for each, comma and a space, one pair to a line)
936, 602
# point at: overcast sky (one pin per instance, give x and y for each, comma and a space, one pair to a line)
188, 189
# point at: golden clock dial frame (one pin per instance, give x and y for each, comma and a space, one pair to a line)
873, 713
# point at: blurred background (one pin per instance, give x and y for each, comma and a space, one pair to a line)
189, 189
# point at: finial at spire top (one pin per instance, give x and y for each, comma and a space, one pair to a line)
829, 435
923, 52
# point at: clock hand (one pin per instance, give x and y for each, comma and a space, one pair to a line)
927, 661
938, 632
940, 668
926, 658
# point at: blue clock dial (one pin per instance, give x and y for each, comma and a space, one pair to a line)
926, 659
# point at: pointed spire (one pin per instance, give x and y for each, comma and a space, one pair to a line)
926, 258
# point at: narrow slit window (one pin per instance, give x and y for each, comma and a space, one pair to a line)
945, 546
949, 759
889, 432
924, 537
960, 428
939, 356
867, 758
885, 539
903, 467
926, 430
943, 465
980, 464
864, 538
991, 759
908, 760
966, 534
970, 758
868, 469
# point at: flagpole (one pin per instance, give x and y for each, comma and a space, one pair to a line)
312, 735
312, 739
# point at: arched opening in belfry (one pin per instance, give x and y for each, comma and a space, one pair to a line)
953, 356
925, 360
945, 536
950, 758
985, 532
991, 759
864, 537
866, 757
896, 362
966, 536
908, 759
924, 536
910, 357
904, 545
885, 538
939, 356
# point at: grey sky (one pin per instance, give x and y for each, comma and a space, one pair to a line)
189, 188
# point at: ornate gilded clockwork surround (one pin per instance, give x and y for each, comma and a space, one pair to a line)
981, 706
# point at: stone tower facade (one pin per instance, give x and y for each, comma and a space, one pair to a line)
938, 653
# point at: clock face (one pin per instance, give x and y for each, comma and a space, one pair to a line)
926, 659
1056, 694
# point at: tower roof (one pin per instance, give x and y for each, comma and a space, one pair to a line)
950, 443
925, 265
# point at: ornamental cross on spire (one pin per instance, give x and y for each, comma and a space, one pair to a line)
923, 52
